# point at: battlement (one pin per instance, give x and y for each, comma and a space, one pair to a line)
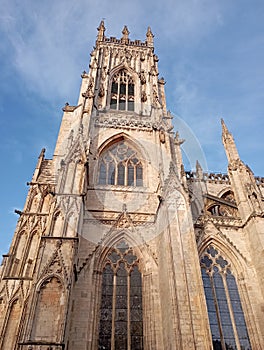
208, 177
114, 40
216, 178
101, 38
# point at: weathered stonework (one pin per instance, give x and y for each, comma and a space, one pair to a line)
79, 217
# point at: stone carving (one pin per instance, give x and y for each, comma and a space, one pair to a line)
109, 121
101, 91
156, 101
143, 96
104, 74
90, 90
153, 71
142, 77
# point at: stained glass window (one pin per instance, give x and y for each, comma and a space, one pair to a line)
226, 317
120, 165
122, 91
121, 317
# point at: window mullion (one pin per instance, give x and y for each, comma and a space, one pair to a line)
231, 312
126, 174
218, 314
107, 171
118, 93
113, 314
126, 94
116, 172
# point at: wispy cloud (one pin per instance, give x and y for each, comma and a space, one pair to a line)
49, 40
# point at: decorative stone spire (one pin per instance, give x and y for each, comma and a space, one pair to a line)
229, 143
125, 33
101, 31
150, 37
178, 142
199, 170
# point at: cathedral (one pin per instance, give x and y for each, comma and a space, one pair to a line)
118, 247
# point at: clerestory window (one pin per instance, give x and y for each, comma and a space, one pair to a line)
120, 165
226, 317
122, 92
121, 320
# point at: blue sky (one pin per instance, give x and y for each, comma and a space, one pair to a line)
211, 55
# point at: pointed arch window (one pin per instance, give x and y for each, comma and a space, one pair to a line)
122, 91
120, 165
121, 322
226, 317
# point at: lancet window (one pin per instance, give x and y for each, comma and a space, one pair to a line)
226, 317
121, 321
122, 91
120, 165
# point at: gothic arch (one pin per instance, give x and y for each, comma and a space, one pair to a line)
228, 251
125, 169
34, 202
236, 264
114, 238
226, 191
124, 136
18, 253
50, 297
132, 80
30, 256
70, 167
121, 66
71, 225
121, 246
11, 327
57, 224
45, 202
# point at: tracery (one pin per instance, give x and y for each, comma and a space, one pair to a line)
120, 165
122, 91
121, 321
226, 317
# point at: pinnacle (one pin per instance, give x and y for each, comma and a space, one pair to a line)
149, 33
101, 25
125, 31
225, 131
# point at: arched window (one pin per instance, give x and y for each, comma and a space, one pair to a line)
226, 317
120, 165
121, 322
122, 91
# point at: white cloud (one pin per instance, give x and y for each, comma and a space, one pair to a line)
50, 39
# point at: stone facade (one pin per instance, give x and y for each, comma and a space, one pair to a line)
117, 246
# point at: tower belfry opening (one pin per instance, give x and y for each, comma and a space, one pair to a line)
118, 247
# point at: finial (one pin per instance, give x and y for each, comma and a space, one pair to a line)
224, 127
199, 170
229, 143
101, 30
225, 132
150, 37
125, 33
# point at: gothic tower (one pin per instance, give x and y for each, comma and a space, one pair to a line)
117, 246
